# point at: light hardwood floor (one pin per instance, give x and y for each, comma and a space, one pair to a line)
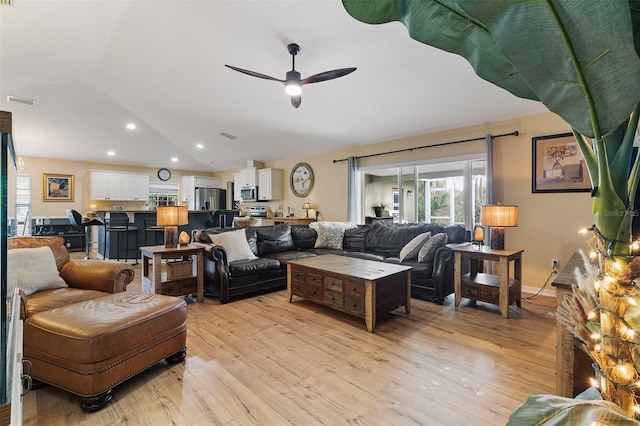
264, 361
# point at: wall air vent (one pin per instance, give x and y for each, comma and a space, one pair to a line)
18, 99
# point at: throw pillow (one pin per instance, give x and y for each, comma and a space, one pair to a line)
329, 237
235, 244
411, 250
345, 225
428, 250
33, 269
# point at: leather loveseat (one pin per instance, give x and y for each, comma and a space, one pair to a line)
85, 333
273, 246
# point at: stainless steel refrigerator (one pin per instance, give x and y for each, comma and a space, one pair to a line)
210, 199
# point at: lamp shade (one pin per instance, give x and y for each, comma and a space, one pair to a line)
172, 215
306, 206
499, 215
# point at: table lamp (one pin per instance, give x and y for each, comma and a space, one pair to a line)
499, 216
306, 206
171, 217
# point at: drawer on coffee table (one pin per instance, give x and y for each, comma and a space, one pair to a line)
310, 278
333, 284
353, 288
354, 306
333, 299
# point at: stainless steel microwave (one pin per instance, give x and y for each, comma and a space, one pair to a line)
249, 193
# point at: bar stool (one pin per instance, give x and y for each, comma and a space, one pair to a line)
151, 228
117, 223
76, 219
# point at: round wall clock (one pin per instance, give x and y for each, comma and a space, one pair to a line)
301, 179
164, 174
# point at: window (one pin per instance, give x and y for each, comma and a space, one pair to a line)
23, 206
446, 193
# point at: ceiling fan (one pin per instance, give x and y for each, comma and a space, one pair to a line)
292, 82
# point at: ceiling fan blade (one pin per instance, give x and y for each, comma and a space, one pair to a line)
254, 74
296, 101
328, 75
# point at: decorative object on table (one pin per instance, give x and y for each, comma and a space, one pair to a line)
306, 207
184, 238
171, 217
301, 179
558, 165
57, 187
293, 83
378, 209
498, 217
164, 174
478, 235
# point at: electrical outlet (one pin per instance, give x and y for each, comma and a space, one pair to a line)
555, 264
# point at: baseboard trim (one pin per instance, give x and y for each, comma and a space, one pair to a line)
550, 292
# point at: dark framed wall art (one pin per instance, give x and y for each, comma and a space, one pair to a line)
558, 165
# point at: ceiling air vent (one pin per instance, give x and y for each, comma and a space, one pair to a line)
18, 99
228, 135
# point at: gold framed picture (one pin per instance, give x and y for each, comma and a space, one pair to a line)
57, 187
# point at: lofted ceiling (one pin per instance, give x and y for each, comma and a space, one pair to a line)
94, 66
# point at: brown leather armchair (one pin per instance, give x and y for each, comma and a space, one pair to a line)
87, 279
92, 335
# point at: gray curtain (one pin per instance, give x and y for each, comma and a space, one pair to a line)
352, 190
489, 167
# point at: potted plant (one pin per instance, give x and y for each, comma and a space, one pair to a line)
378, 208
589, 74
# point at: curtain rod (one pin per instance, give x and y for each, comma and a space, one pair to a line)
514, 133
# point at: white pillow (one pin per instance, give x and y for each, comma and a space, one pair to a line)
329, 236
344, 225
235, 244
33, 269
410, 251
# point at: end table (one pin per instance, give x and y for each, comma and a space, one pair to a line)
154, 280
497, 289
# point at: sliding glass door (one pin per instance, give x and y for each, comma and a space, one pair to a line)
447, 193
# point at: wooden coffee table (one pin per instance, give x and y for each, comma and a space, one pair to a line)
363, 288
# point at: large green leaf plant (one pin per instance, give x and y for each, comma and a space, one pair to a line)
578, 57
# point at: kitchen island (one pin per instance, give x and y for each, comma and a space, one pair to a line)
197, 220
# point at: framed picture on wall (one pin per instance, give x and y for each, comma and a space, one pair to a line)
558, 165
57, 187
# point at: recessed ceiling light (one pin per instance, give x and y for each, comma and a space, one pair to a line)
174, 159
199, 146
131, 126
111, 153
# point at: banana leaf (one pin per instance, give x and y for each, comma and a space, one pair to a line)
551, 410
578, 57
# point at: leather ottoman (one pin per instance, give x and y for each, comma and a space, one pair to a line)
88, 348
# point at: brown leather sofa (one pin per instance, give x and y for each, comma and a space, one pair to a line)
92, 335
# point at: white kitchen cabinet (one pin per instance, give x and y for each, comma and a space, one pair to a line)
237, 196
246, 178
207, 182
106, 185
119, 186
269, 184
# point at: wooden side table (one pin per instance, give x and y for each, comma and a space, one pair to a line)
154, 280
497, 289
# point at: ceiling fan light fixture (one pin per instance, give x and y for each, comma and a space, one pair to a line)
292, 88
